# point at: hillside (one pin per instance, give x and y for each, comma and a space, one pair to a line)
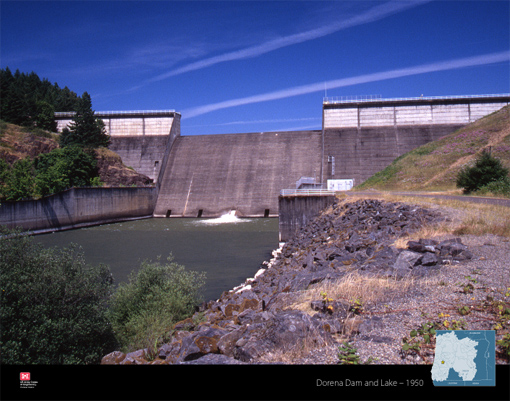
18, 142
434, 166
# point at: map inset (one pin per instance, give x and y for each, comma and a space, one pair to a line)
465, 358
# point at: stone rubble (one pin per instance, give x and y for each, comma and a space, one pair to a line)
254, 320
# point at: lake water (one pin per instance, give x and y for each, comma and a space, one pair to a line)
228, 249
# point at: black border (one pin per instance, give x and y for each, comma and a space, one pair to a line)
229, 382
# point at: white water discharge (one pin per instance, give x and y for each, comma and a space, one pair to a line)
227, 218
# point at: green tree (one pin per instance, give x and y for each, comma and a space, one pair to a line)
144, 310
29, 101
53, 307
64, 168
85, 129
5, 172
45, 116
19, 180
486, 170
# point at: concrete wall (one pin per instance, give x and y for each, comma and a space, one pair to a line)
79, 207
244, 172
141, 139
455, 111
295, 212
362, 138
128, 123
360, 153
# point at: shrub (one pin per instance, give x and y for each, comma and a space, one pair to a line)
144, 310
61, 169
53, 306
486, 170
48, 173
18, 180
499, 187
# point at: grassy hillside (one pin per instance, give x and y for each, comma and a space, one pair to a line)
18, 142
434, 166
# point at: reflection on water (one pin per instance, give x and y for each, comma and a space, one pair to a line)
228, 253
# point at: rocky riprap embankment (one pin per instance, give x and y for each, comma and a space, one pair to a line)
255, 319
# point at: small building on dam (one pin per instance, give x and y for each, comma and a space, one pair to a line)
210, 175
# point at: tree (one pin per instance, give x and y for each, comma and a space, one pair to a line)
487, 169
29, 101
158, 296
45, 116
18, 181
85, 129
48, 173
53, 307
64, 168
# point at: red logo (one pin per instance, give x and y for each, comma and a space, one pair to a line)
24, 376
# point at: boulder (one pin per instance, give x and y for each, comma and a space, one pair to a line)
284, 331
405, 263
200, 343
213, 359
138, 357
429, 259
113, 358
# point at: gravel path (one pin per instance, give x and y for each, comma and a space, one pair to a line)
462, 198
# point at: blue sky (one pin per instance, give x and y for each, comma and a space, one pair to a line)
253, 66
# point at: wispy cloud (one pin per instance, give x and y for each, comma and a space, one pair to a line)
361, 79
373, 14
266, 121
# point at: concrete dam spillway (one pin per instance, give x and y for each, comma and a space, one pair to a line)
211, 175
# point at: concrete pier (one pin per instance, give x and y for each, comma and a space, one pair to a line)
294, 212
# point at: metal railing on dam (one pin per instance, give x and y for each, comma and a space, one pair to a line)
378, 98
307, 192
120, 113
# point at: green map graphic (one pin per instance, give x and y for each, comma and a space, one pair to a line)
465, 358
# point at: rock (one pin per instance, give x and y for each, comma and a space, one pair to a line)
284, 331
200, 343
113, 358
464, 255
415, 246
227, 342
135, 358
186, 324
213, 359
405, 263
251, 303
429, 259
159, 361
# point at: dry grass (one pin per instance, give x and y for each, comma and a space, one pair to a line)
355, 288
293, 352
467, 217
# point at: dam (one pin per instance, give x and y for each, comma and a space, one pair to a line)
211, 175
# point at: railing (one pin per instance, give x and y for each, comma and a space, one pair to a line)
378, 98
306, 192
352, 99
116, 113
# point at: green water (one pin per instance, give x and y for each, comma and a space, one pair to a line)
229, 252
